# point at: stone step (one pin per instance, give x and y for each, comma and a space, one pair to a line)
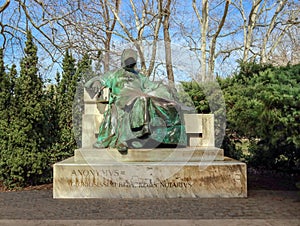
189, 154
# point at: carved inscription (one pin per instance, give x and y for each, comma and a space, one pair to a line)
117, 178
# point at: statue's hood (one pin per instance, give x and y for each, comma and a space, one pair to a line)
129, 57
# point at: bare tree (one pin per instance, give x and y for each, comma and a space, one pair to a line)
265, 26
167, 39
212, 46
219, 32
91, 29
287, 49
270, 28
249, 25
232, 30
203, 22
147, 16
210, 26
42, 19
280, 31
109, 28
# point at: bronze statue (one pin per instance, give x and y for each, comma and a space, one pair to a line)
141, 113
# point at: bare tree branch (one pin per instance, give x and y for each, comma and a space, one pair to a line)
4, 6
269, 31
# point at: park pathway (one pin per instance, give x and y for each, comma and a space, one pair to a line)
262, 207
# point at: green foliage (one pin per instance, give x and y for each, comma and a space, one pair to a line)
247, 70
52, 122
231, 149
24, 160
36, 127
208, 98
65, 92
4, 102
4, 112
263, 107
197, 95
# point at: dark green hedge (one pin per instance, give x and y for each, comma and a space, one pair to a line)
263, 108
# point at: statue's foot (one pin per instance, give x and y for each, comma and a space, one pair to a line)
98, 145
123, 149
137, 144
146, 130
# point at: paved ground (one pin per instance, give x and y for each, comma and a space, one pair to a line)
262, 207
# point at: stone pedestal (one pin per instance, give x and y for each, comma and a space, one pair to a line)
158, 155
142, 173
200, 170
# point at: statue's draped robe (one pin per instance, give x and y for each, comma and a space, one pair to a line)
140, 112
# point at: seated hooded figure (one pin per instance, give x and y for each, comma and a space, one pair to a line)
141, 113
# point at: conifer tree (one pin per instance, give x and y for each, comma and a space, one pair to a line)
4, 115
4, 103
7, 109
51, 123
52, 100
12, 76
27, 159
84, 67
66, 89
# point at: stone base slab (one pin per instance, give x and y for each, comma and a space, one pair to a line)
188, 154
81, 179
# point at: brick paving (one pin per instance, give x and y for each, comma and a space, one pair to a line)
262, 207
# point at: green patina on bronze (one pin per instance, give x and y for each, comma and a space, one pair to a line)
140, 112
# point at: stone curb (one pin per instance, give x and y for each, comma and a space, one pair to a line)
128, 222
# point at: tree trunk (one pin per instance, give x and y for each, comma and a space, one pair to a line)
155, 38
250, 27
203, 21
109, 29
167, 41
211, 63
203, 38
